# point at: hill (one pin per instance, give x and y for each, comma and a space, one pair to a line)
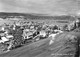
65, 45
5, 15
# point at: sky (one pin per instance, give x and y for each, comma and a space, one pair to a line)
50, 7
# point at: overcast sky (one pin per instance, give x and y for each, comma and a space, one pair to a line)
51, 7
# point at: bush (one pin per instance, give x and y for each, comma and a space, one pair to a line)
65, 27
18, 39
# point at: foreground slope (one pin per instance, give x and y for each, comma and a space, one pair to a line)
65, 45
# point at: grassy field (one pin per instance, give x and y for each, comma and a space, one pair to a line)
60, 48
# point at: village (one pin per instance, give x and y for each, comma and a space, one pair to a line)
20, 33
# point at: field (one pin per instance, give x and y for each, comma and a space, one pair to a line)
43, 49
47, 21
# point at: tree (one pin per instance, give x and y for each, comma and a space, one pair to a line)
65, 27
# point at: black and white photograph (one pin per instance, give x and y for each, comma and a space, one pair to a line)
39, 28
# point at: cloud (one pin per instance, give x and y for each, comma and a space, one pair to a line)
51, 7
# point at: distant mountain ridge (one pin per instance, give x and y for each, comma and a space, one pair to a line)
5, 15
